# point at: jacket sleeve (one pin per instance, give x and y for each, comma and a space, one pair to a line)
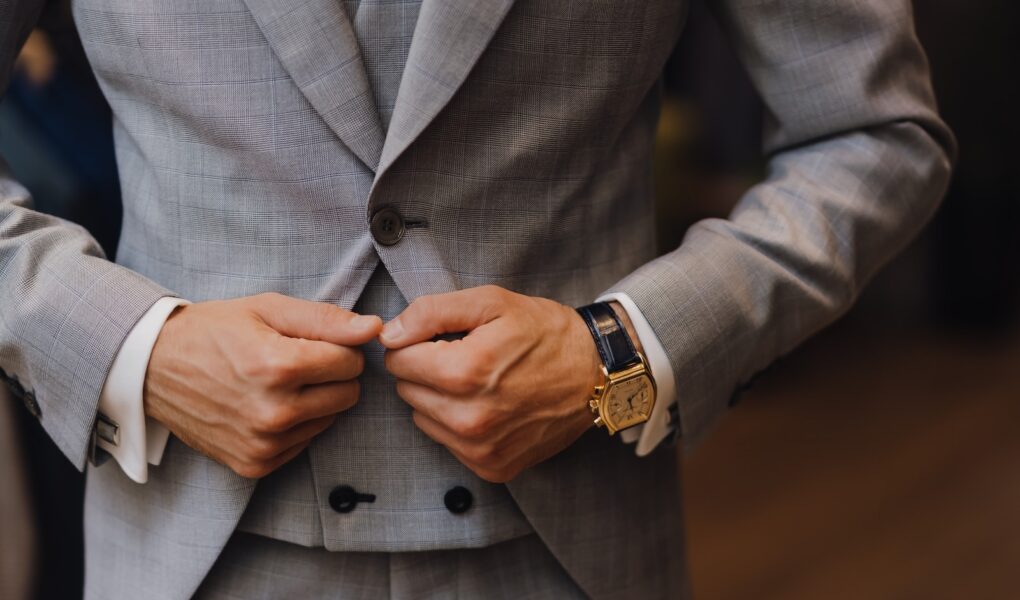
858, 162
64, 308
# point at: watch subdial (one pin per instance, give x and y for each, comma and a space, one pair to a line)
620, 409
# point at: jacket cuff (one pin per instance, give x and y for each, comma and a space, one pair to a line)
683, 325
95, 318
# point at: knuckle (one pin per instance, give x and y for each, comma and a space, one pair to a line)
422, 303
272, 418
249, 364
484, 455
328, 313
275, 366
260, 449
482, 365
465, 378
493, 293
474, 425
251, 470
323, 311
417, 307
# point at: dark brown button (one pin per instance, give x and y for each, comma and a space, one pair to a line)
387, 226
458, 500
344, 498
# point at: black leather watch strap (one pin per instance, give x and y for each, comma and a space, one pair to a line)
611, 337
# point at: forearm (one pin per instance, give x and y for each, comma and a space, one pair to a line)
66, 311
793, 256
858, 163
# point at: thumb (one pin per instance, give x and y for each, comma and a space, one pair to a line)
455, 312
320, 321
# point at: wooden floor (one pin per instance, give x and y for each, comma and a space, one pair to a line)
866, 466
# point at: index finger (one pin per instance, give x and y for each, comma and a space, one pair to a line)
311, 362
309, 320
439, 365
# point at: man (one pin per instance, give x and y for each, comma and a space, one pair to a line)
297, 170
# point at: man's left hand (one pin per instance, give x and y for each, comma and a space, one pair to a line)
508, 395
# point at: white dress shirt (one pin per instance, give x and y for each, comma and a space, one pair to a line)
142, 440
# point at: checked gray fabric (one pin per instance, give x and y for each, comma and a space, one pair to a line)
257, 568
384, 29
252, 152
375, 447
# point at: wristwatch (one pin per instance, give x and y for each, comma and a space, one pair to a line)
627, 395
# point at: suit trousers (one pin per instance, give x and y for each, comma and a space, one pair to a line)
253, 567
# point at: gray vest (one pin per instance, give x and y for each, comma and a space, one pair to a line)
375, 447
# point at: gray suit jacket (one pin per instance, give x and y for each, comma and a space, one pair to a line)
251, 155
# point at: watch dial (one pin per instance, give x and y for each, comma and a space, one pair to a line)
629, 402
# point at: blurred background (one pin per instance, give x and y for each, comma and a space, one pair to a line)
880, 460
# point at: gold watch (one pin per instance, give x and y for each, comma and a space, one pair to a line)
627, 396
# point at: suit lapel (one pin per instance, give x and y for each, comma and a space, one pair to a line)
316, 44
448, 39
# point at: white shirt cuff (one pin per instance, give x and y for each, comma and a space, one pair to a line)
649, 434
142, 440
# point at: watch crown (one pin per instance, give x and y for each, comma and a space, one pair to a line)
599, 422
593, 405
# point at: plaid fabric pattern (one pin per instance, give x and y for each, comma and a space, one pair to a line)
252, 151
253, 568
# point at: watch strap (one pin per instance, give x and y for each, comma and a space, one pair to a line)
611, 337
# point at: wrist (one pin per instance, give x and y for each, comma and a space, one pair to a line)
627, 396
160, 350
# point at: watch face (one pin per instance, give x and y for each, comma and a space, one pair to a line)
629, 402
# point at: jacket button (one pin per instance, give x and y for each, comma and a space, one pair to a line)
387, 226
458, 500
344, 498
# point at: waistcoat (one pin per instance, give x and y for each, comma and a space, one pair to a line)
375, 447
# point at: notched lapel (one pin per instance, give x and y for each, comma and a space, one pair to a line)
316, 44
448, 39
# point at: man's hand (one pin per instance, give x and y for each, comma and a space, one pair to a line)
510, 394
250, 382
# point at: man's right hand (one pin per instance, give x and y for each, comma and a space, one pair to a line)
250, 382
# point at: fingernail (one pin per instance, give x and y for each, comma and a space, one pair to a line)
392, 331
363, 322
